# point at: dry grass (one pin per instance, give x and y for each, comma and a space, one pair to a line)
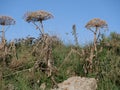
16, 64
45, 53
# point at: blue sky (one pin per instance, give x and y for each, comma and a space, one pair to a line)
66, 13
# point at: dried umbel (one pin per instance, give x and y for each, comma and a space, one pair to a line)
6, 20
96, 22
95, 25
37, 16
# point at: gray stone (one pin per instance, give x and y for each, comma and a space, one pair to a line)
78, 83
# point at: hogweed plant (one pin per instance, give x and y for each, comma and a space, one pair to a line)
95, 26
37, 18
5, 21
43, 48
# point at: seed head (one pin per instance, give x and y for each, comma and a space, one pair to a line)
96, 22
6, 20
37, 16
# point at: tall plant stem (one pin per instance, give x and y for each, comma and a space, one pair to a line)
95, 39
3, 35
42, 28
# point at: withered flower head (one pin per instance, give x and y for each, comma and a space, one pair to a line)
6, 20
96, 22
37, 16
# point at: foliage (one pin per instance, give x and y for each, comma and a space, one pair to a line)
29, 63
68, 61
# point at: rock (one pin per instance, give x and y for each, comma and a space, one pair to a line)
43, 86
78, 83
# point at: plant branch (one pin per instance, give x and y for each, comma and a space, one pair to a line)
37, 27
91, 30
17, 72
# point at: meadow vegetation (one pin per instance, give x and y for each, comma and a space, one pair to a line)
27, 63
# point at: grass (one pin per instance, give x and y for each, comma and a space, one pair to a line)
68, 60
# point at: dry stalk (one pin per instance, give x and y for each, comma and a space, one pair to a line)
44, 62
4, 21
17, 72
89, 60
3, 52
45, 55
44, 52
12, 50
6, 51
75, 35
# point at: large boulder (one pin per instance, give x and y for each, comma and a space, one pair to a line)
78, 83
